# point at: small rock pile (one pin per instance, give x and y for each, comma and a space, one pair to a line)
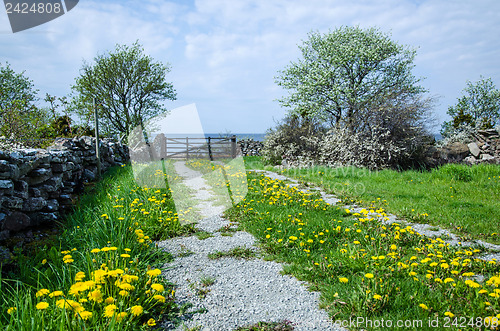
486, 149
38, 185
250, 147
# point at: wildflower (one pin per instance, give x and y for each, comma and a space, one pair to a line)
96, 296
120, 316
157, 287
154, 273
109, 310
124, 293
159, 298
85, 315
448, 280
393, 247
11, 310
377, 297
44, 261
79, 276
449, 314
56, 294
151, 322
95, 250
126, 287
136, 310
423, 306
42, 305
42, 292
109, 300
343, 280
125, 255
369, 275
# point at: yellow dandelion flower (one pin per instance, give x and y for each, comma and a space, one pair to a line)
109, 300
42, 292
136, 310
157, 287
369, 275
56, 294
124, 293
159, 298
154, 272
11, 310
85, 315
96, 296
423, 306
151, 322
109, 310
343, 280
377, 297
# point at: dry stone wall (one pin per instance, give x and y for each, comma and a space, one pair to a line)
37, 186
250, 147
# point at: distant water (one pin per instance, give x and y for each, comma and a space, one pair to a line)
239, 136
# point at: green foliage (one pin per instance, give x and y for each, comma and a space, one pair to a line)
15, 88
360, 82
457, 172
127, 85
346, 74
287, 140
362, 266
105, 248
20, 119
479, 108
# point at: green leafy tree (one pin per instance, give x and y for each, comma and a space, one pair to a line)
15, 88
479, 108
20, 118
128, 86
350, 75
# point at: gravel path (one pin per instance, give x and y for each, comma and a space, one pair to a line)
243, 292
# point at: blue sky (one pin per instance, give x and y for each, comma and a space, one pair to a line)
226, 53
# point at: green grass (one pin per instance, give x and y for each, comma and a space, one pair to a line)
268, 326
202, 235
238, 252
461, 198
361, 267
107, 242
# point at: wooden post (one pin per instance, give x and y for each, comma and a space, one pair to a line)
233, 146
97, 141
187, 148
210, 150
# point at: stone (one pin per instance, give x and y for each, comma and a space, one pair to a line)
42, 218
88, 175
6, 184
13, 202
34, 204
487, 158
59, 167
21, 189
470, 160
16, 221
39, 176
52, 205
474, 149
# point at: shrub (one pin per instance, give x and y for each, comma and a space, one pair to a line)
293, 139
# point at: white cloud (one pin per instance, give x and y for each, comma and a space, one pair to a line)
225, 53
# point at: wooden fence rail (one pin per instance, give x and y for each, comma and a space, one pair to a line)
193, 148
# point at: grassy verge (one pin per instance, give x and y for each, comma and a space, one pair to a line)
464, 199
99, 272
363, 268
